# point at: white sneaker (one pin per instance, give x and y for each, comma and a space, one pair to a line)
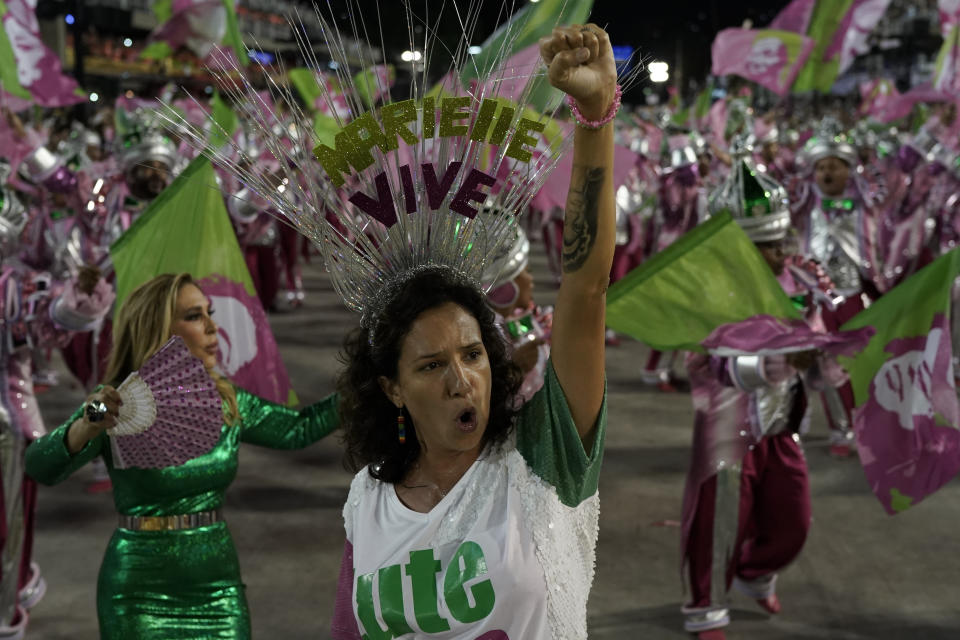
704, 618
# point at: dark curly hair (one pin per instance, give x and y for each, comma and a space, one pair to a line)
367, 416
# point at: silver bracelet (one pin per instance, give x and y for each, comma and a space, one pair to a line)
95, 411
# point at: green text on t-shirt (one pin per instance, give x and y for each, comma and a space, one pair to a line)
464, 571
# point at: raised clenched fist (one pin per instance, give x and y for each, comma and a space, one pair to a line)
580, 63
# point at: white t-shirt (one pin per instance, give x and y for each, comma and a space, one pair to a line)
467, 568
508, 554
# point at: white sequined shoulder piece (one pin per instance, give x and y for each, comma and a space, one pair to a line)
487, 480
362, 483
566, 543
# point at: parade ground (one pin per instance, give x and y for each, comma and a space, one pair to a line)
863, 575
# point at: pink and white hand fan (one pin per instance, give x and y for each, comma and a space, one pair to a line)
171, 411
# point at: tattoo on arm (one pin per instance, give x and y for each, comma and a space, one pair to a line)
580, 222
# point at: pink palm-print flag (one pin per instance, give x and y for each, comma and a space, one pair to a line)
31, 72
770, 58
907, 419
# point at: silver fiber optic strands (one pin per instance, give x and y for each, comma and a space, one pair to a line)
360, 253
415, 239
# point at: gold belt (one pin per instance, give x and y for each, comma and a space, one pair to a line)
171, 523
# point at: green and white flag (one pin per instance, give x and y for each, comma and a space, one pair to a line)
523, 32
187, 228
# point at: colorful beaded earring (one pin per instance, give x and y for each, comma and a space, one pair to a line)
401, 428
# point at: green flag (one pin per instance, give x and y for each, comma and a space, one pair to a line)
819, 73
713, 275
9, 81
522, 30
373, 83
187, 228
234, 39
907, 310
223, 121
305, 82
701, 105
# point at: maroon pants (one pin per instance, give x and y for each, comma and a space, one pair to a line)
29, 492
79, 354
553, 241
772, 523
623, 262
841, 418
290, 257
29, 524
263, 267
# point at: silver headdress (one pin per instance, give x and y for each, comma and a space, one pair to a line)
404, 181
680, 151
78, 140
829, 142
40, 164
13, 215
739, 119
755, 200
141, 136
771, 135
509, 260
926, 145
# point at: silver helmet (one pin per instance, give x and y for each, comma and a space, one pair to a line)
757, 202
141, 137
829, 142
40, 164
510, 258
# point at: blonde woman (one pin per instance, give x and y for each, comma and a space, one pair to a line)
170, 570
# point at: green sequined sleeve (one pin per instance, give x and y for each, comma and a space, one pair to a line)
279, 427
547, 439
48, 461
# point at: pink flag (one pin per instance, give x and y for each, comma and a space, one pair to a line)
794, 17
907, 419
198, 25
850, 40
903, 104
717, 121
38, 69
770, 58
949, 15
553, 194
509, 80
767, 335
946, 75
373, 84
877, 97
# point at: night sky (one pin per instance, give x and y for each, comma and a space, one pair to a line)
672, 29
675, 31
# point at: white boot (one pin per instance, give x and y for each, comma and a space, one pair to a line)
32, 592
16, 631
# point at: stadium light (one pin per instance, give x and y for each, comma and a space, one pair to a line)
658, 71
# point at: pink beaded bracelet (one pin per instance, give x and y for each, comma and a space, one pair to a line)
596, 124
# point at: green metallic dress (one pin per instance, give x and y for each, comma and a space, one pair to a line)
171, 585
